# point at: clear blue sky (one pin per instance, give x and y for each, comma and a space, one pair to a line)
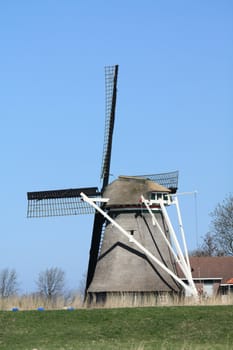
174, 112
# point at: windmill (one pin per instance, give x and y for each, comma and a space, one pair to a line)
134, 248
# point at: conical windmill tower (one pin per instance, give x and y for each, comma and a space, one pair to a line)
134, 248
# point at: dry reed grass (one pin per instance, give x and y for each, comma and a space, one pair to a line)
126, 300
33, 302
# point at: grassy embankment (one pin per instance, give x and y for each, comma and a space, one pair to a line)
182, 327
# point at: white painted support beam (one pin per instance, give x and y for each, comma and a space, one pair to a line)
100, 199
176, 202
188, 273
155, 222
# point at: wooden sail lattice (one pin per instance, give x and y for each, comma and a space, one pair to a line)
59, 202
111, 73
169, 180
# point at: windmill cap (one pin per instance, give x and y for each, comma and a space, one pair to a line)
127, 190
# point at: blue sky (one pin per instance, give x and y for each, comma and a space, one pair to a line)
174, 112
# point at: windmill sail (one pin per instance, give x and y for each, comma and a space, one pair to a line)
59, 202
169, 180
111, 73
68, 201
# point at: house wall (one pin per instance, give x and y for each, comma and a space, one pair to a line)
207, 288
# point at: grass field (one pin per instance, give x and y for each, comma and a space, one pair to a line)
182, 327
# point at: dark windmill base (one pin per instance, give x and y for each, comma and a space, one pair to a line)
134, 299
123, 272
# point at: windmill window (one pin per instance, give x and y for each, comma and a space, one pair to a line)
156, 196
153, 196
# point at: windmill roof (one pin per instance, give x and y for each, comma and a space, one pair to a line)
127, 190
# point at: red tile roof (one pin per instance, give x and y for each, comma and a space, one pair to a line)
211, 267
230, 281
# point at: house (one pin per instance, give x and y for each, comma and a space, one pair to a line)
212, 275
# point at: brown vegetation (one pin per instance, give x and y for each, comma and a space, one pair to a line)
34, 301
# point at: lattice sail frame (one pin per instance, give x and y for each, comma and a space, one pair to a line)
111, 73
169, 180
60, 202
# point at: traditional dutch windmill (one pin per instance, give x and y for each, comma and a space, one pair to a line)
134, 248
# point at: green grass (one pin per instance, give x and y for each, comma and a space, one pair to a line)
182, 327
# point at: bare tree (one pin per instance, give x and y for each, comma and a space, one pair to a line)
8, 283
82, 285
208, 247
51, 282
222, 225
219, 241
